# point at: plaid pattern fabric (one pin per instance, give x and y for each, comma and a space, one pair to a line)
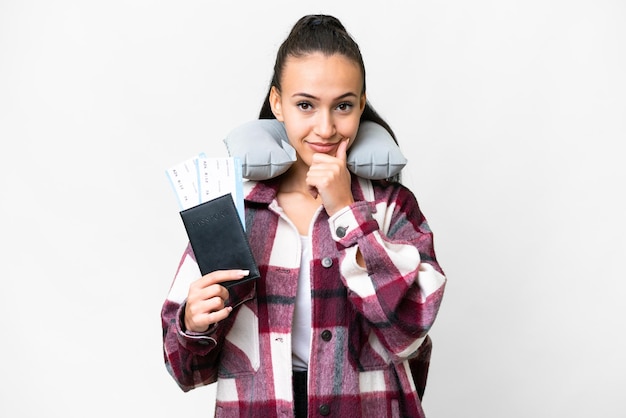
367, 322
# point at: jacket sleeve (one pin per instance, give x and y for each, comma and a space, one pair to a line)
401, 287
190, 358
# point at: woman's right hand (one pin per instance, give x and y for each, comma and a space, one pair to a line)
206, 301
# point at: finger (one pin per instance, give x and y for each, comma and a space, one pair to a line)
207, 293
201, 307
217, 316
199, 314
220, 276
201, 322
342, 150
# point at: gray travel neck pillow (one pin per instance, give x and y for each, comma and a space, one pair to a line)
264, 150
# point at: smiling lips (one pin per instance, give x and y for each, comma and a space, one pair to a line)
323, 147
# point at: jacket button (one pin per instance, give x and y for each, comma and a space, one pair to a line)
327, 335
341, 232
324, 409
327, 262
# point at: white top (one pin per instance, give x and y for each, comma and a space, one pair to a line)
301, 327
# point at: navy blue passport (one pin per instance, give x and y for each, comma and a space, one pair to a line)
218, 239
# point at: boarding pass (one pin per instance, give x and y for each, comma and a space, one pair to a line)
201, 178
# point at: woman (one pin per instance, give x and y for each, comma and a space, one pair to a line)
349, 281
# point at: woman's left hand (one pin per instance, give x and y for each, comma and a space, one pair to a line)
330, 177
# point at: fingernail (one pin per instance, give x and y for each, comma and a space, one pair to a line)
244, 272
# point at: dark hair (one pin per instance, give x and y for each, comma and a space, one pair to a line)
325, 34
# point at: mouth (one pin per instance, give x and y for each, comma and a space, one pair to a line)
323, 147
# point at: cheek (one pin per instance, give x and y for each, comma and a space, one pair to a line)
294, 135
294, 123
350, 131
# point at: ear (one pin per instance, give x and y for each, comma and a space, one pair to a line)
276, 104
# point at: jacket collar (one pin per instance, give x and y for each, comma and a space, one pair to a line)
263, 192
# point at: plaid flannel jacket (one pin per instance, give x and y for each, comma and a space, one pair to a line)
367, 322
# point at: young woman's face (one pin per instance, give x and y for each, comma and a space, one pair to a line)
320, 102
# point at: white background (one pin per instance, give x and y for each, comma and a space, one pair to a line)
512, 115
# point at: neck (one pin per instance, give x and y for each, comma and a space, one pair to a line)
294, 180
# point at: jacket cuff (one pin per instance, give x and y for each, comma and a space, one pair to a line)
351, 223
197, 342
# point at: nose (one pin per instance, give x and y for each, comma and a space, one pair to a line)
325, 125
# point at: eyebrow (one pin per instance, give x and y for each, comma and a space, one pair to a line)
310, 96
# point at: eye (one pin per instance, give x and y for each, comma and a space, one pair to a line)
304, 106
345, 106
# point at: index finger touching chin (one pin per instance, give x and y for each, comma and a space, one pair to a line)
342, 149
